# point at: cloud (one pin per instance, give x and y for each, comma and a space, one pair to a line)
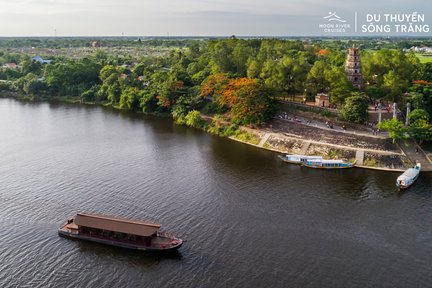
183, 17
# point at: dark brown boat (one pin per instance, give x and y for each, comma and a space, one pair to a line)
120, 232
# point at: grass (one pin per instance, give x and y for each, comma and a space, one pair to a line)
371, 162
424, 58
247, 137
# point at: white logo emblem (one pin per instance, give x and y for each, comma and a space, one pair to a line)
333, 17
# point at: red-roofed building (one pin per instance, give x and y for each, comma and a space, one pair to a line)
10, 66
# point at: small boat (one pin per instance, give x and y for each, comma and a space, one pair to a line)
328, 164
297, 159
408, 177
120, 232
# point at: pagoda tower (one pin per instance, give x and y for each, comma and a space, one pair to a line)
353, 68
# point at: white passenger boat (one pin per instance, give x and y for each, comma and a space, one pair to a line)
408, 177
298, 159
328, 164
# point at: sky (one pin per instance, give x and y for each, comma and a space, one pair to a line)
193, 17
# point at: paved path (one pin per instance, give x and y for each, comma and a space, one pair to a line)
264, 139
360, 157
305, 147
309, 142
322, 125
415, 153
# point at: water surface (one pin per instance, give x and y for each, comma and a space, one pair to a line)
248, 219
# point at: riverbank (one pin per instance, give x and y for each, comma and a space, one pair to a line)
291, 137
377, 159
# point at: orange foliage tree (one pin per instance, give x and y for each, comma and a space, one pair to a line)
247, 101
323, 52
213, 85
422, 82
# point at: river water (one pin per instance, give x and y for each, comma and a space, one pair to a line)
248, 219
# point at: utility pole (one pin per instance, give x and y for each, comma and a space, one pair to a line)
394, 111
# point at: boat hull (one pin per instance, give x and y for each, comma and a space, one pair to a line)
406, 184
409, 177
289, 161
132, 246
297, 159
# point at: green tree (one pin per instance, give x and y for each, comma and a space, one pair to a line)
355, 108
130, 99
317, 82
421, 130
427, 72
340, 87
395, 85
91, 94
194, 119
148, 101
394, 127
418, 114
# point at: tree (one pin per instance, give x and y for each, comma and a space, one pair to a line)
129, 99
355, 108
392, 70
427, 72
212, 86
248, 102
316, 79
340, 87
91, 94
420, 129
194, 119
395, 128
240, 56
375, 92
395, 85
418, 114
148, 101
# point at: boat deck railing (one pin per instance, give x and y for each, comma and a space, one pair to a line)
165, 235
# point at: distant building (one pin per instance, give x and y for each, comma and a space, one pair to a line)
41, 60
353, 68
10, 66
322, 100
94, 44
423, 49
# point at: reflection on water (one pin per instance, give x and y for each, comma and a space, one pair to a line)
249, 220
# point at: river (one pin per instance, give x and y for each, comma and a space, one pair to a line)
248, 219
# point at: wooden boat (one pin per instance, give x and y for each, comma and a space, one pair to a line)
328, 164
408, 177
119, 232
297, 159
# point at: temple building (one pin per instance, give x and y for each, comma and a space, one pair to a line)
353, 68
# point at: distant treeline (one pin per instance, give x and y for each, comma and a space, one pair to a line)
338, 43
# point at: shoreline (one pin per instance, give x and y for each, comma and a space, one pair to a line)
385, 169
259, 133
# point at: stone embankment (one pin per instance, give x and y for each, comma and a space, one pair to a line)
369, 150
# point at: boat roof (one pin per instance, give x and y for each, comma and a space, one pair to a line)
122, 225
303, 156
328, 161
408, 174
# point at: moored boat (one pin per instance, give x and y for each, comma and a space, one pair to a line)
297, 159
328, 164
120, 232
408, 177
